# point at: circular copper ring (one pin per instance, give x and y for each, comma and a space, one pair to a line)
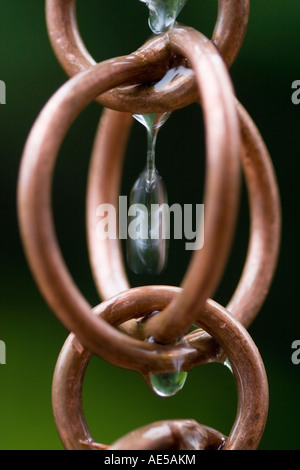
228, 36
265, 228
34, 198
247, 366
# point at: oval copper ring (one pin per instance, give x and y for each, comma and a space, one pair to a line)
34, 196
265, 218
247, 366
72, 54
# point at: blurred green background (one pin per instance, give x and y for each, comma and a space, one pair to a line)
117, 401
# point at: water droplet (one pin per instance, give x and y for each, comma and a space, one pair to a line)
152, 123
147, 243
228, 364
148, 224
167, 385
163, 13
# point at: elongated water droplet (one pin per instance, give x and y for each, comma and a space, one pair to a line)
167, 385
147, 249
163, 13
147, 242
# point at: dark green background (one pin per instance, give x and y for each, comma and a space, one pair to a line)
115, 400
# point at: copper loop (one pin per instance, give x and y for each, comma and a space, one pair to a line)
34, 195
265, 216
228, 36
247, 366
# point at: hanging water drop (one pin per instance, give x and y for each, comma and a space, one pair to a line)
169, 384
147, 242
163, 13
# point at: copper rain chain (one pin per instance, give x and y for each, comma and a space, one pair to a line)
232, 143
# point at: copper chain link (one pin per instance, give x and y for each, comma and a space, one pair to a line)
232, 141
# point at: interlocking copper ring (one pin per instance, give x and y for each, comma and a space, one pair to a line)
247, 365
106, 257
103, 187
221, 193
228, 36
